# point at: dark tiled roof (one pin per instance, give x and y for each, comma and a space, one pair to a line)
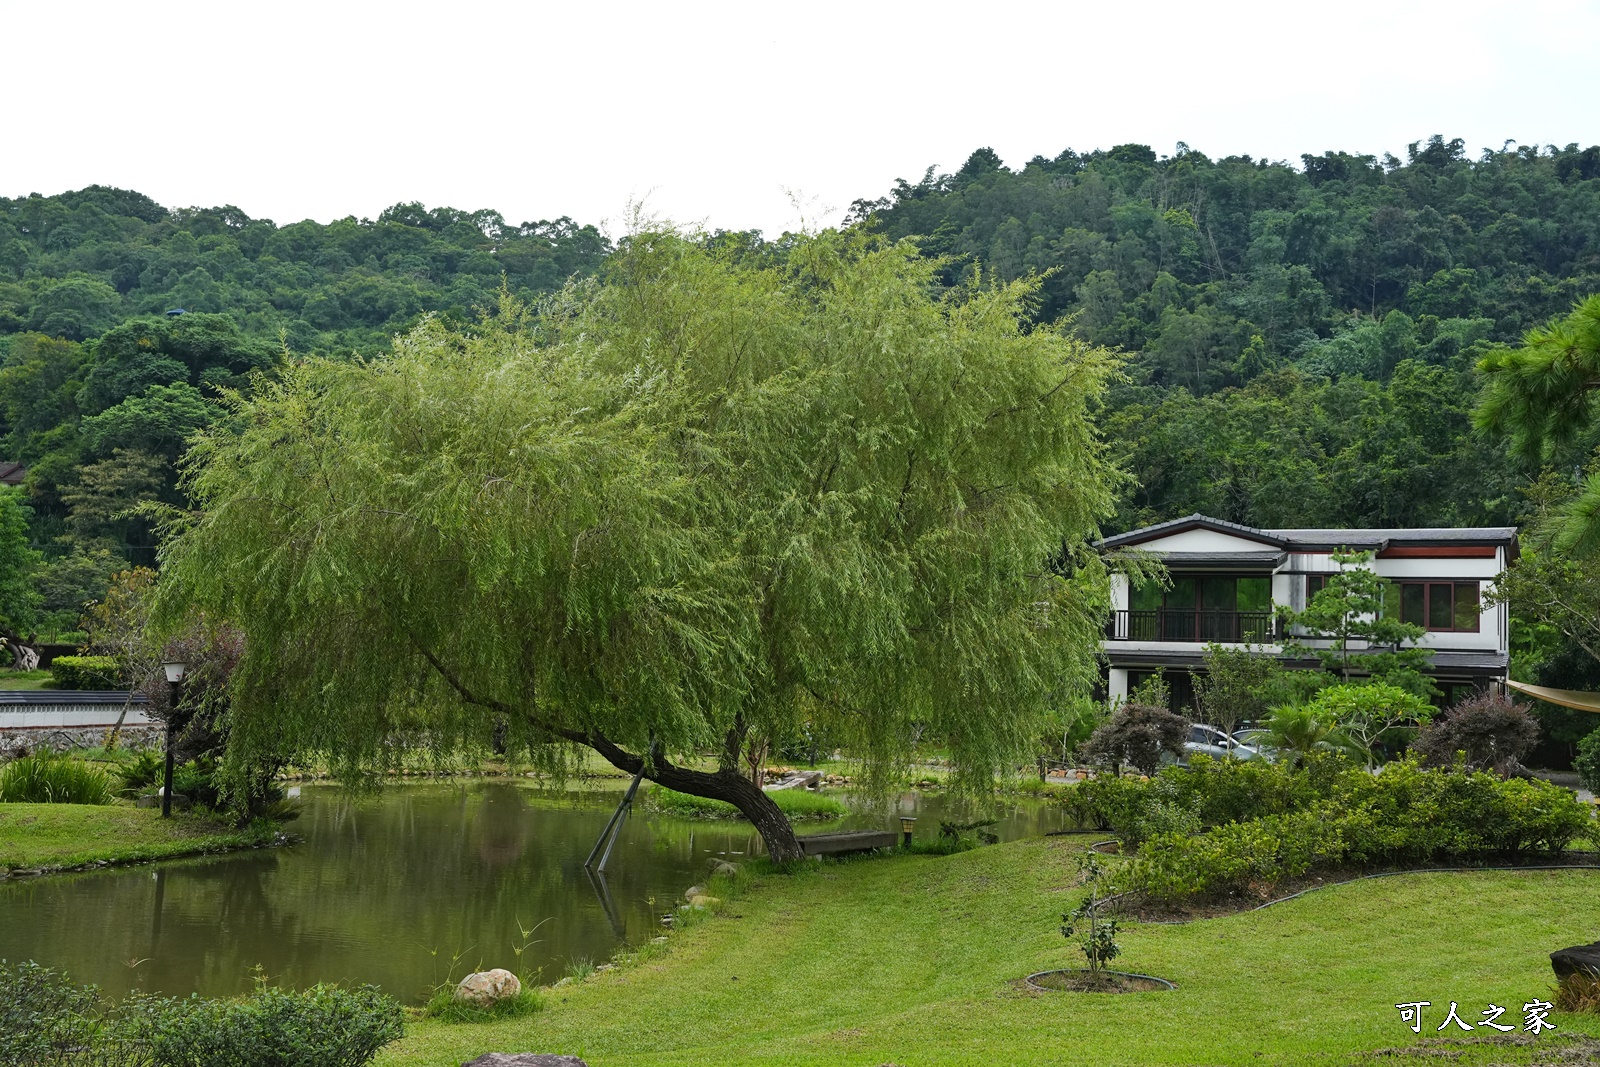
1189, 522
1431, 535
68, 696
12, 473
1444, 660
1314, 539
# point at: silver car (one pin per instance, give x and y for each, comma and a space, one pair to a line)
1216, 744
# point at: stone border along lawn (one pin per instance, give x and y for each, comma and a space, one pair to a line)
920, 961
39, 838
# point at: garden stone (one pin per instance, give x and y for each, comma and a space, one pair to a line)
724, 867
524, 1059
694, 891
486, 988
1579, 959
700, 900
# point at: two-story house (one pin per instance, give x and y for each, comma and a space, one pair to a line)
1227, 582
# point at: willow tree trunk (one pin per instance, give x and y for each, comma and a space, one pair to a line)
727, 784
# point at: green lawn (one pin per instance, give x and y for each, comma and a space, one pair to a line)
24, 679
66, 835
914, 961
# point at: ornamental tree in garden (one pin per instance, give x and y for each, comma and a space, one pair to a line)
680, 509
1544, 397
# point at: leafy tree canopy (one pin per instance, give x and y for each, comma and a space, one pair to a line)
685, 508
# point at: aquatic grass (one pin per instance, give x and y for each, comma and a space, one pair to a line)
580, 967
795, 803
45, 778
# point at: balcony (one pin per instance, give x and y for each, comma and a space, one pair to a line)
1167, 624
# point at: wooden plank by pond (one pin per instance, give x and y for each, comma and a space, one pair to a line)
847, 841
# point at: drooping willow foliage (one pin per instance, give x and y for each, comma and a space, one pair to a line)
702, 497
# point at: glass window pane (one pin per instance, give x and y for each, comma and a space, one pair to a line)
1181, 595
1145, 597
1315, 583
1391, 600
1439, 604
1411, 603
1466, 605
1217, 594
1255, 594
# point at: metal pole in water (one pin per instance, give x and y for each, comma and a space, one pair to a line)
608, 836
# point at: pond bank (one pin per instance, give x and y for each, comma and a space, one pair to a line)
922, 960
47, 838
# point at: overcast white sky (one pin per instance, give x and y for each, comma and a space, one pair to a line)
716, 112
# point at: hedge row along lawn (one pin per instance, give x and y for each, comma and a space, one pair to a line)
915, 961
45, 836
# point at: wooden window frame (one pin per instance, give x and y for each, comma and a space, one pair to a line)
1427, 585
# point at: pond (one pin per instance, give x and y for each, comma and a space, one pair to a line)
406, 890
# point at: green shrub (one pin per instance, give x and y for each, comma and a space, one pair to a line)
1105, 802
1418, 815
1406, 815
1587, 763
1224, 791
143, 771
84, 672
795, 803
197, 780
46, 1020
1255, 854
324, 1025
46, 778
42, 1015
1161, 814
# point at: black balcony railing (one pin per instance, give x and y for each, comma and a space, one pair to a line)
1223, 627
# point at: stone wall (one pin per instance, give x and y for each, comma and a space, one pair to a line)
132, 738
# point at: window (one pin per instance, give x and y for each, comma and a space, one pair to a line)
1446, 606
1315, 583
1202, 608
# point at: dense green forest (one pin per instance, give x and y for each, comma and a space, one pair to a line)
1301, 339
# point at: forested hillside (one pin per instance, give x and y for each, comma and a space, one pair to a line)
1301, 339
101, 378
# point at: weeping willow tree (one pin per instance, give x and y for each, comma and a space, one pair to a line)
675, 511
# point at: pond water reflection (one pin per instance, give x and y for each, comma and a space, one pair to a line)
389, 890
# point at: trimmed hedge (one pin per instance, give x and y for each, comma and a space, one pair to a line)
1406, 815
84, 672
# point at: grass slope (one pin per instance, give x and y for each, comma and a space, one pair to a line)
913, 961
36, 836
30, 680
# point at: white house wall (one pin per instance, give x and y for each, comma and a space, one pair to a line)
1288, 589
1200, 541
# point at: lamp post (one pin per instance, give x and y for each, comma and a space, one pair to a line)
906, 823
174, 669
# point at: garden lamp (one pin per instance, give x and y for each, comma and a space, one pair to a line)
174, 670
906, 824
